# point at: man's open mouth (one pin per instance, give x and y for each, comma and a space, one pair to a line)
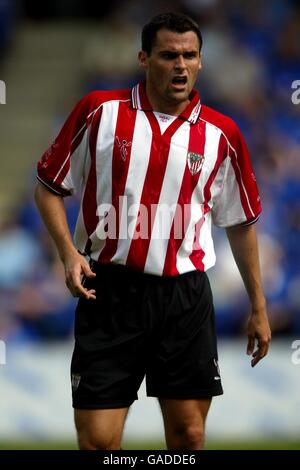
179, 80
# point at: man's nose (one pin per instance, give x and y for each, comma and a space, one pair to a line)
180, 63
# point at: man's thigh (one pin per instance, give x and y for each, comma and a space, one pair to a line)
184, 422
177, 413
100, 429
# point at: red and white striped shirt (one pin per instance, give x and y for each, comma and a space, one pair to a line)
148, 198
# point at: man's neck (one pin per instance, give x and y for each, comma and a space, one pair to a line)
166, 107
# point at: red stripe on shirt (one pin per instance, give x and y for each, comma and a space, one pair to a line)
89, 201
120, 165
183, 213
160, 148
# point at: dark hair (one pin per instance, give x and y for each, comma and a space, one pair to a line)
175, 22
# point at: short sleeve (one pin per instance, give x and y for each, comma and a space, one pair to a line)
61, 167
238, 202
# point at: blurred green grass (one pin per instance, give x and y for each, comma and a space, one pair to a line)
128, 445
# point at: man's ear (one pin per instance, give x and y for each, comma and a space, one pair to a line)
200, 63
142, 57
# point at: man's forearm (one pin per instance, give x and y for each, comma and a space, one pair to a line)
53, 212
243, 242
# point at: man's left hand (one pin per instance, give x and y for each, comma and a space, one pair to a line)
258, 328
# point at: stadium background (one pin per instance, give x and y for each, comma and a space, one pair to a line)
52, 54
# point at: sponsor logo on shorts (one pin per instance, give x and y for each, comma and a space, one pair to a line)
75, 381
217, 377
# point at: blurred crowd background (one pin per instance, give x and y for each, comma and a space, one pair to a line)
53, 53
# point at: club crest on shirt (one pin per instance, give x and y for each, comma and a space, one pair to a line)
195, 162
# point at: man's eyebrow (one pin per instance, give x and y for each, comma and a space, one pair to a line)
169, 51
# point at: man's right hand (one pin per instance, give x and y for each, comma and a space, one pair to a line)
76, 269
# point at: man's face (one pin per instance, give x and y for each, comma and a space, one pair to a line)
171, 68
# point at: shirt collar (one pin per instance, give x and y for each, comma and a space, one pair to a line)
139, 100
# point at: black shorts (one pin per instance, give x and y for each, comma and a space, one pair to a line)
140, 325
